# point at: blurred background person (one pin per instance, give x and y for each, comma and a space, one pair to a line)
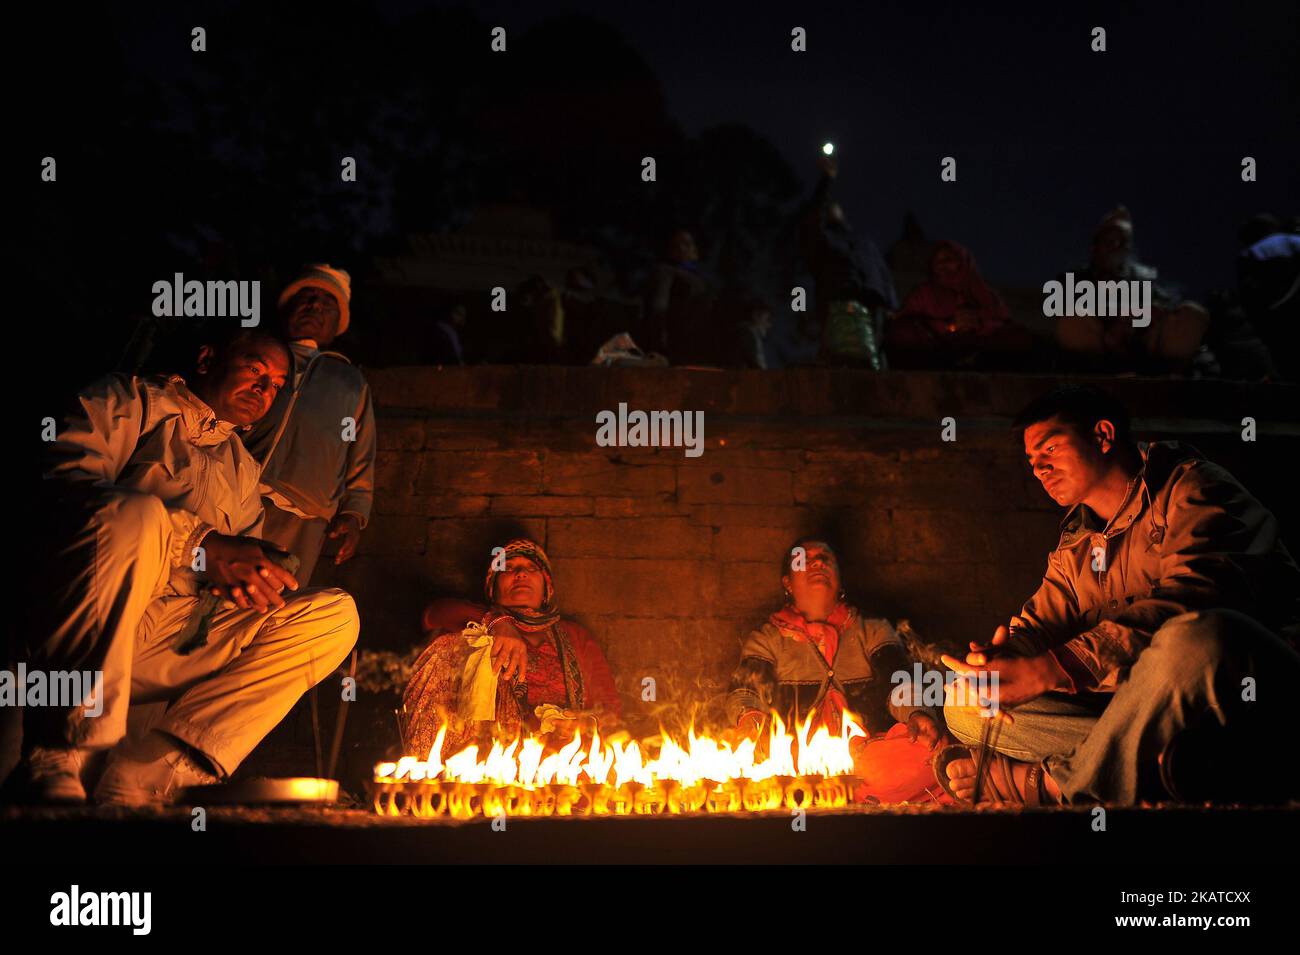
954, 318
678, 304
1268, 287
445, 346
908, 257
534, 324
744, 347
1168, 345
853, 284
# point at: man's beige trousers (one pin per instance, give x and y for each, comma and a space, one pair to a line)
112, 612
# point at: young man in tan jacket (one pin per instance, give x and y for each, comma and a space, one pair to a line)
1158, 657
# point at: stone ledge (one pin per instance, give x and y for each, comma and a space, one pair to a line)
850, 398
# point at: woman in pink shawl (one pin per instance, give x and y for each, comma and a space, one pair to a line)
953, 318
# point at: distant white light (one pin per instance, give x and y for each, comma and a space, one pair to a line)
828, 148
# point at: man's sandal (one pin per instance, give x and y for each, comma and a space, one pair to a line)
999, 782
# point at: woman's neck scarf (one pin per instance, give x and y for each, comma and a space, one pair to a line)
822, 634
532, 621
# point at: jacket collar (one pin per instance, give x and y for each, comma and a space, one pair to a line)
307, 351
1158, 461
202, 426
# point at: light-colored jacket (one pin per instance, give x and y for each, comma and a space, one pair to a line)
1189, 537
154, 435
789, 676
301, 444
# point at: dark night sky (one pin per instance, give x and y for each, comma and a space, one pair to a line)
1048, 135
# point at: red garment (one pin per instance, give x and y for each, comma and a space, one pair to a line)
825, 636
545, 676
982, 309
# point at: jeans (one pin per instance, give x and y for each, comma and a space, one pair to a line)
1105, 747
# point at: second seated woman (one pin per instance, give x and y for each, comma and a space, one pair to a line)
818, 656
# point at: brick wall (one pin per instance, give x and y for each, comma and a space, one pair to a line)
670, 560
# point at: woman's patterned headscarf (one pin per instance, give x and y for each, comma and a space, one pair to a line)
544, 616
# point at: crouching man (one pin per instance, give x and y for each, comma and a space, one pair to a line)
1158, 658
153, 500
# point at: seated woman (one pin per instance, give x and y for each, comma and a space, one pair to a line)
819, 655
953, 318
514, 668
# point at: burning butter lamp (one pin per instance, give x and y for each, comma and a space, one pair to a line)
706, 776
292, 790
